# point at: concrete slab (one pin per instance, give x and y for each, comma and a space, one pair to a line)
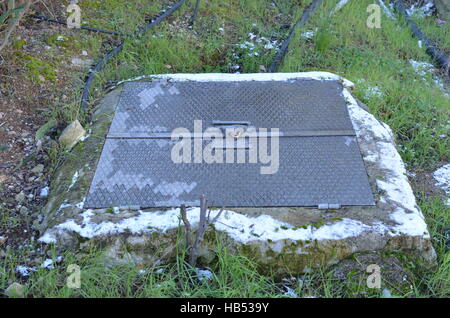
284, 240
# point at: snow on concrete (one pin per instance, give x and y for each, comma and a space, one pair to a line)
396, 188
226, 77
242, 228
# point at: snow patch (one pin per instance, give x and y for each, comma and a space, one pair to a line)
442, 176
308, 34
396, 188
226, 77
339, 6
25, 271
425, 10
74, 180
424, 68
44, 192
386, 10
373, 91
240, 227
290, 292
204, 274
48, 264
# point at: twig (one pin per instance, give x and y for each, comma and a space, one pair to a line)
204, 222
10, 29
187, 226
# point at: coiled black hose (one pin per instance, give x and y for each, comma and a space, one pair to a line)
278, 59
440, 58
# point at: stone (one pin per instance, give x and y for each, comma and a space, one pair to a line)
71, 135
443, 9
23, 210
3, 178
82, 63
20, 197
2, 240
38, 169
44, 192
15, 290
386, 293
290, 240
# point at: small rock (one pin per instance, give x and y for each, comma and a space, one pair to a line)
38, 169
23, 210
48, 264
3, 178
71, 135
39, 145
386, 293
20, 197
81, 62
44, 191
2, 240
15, 290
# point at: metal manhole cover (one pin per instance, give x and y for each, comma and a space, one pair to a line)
273, 143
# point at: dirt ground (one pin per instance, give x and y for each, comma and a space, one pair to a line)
26, 102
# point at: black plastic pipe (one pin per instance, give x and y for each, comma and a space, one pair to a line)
43, 18
171, 10
278, 59
278, 7
99, 66
440, 58
194, 14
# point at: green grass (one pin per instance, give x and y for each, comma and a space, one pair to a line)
375, 59
413, 105
234, 276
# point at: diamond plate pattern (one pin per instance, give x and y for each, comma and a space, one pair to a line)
154, 107
313, 170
